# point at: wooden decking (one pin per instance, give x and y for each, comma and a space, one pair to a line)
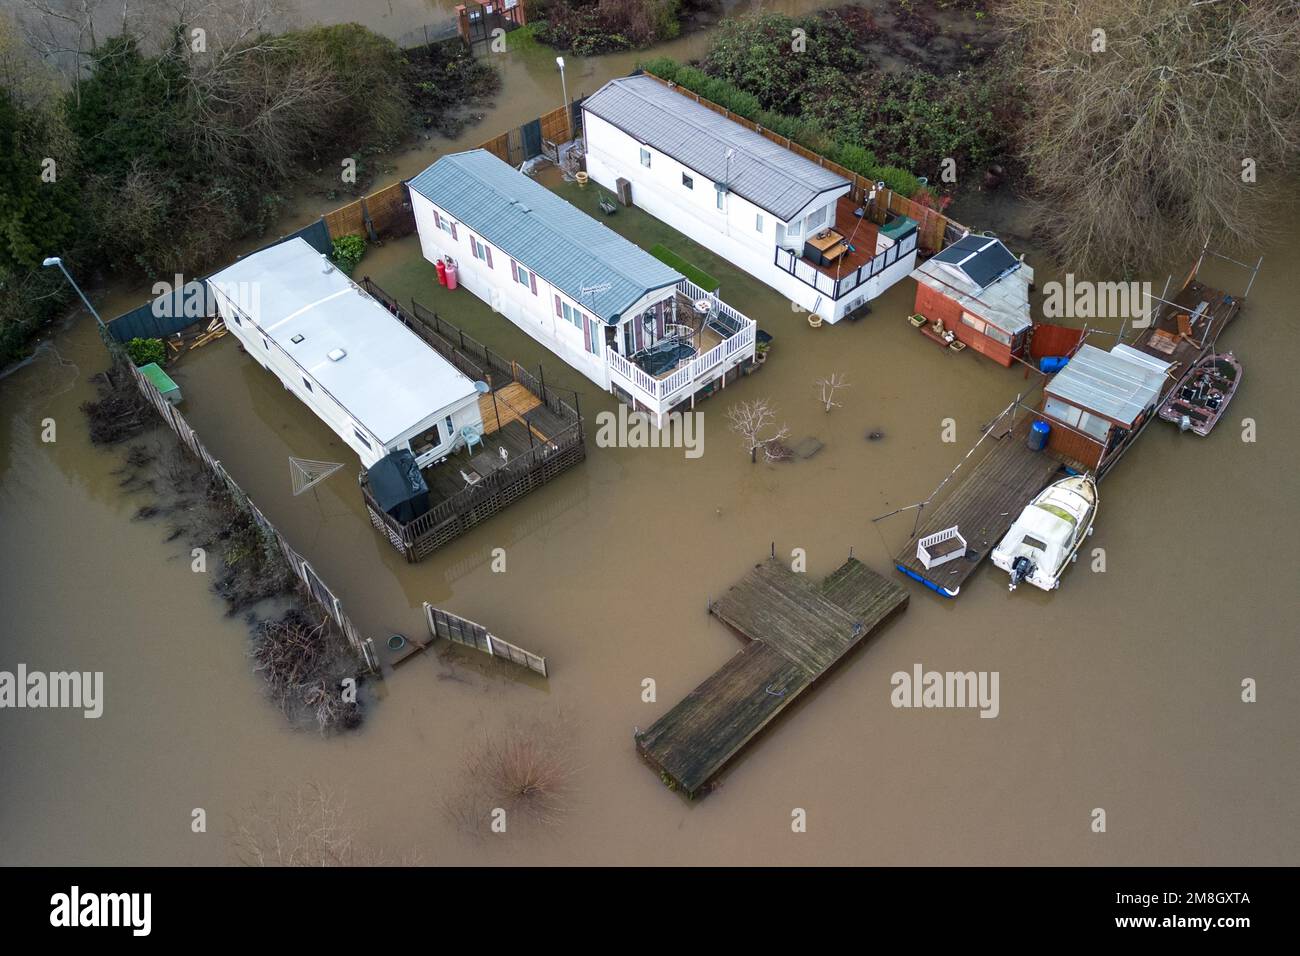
858, 232
983, 508
511, 403
798, 631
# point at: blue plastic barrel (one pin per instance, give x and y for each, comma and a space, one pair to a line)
1050, 364
1038, 433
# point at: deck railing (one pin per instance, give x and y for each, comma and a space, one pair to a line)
838, 288
659, 394
455, 515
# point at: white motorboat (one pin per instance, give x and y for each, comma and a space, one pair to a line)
1049, 532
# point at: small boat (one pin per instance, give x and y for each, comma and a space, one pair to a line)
1049, 532
1201, 400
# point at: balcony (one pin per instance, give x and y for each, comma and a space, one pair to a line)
702, 349
856, 261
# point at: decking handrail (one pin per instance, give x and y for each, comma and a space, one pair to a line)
787, 260
654, 392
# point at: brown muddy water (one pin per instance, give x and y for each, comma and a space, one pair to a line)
1119, 691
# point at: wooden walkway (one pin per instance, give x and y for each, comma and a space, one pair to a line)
797, 632
983, 508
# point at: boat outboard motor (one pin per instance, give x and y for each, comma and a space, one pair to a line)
1021, 568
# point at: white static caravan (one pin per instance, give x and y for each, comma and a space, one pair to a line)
372, 380
608, 308
782, 218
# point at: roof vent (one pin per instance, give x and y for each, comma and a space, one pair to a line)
336, 355
523, 208
296, 339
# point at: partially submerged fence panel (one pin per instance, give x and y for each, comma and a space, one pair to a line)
319, 591
460, 630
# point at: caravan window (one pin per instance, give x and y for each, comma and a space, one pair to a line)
817, 219
361, 438
645, 158
427, 441
687, 181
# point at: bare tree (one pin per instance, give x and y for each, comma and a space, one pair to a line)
1145, 121
749, 420
309, 826
525, 771
829, 386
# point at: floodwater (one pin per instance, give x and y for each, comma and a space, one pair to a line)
1120, 691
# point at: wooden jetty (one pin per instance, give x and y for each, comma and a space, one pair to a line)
796, 631
983, 507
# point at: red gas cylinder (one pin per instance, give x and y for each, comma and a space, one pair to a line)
451, 275
442, 272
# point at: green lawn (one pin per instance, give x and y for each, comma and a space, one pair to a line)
695, 274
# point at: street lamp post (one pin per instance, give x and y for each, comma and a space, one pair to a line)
564, 86
56, 261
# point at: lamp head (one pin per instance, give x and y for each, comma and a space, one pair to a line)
559, 61
52, 261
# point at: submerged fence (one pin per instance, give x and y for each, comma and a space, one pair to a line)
461, 630
319, 591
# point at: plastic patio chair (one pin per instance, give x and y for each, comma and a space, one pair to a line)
471, 436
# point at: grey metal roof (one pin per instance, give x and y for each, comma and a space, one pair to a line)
1117, 384
1005, 302
533, 225
981, 259
767, 174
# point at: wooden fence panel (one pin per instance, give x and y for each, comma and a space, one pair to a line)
349, 220
556, 125
463, 631
390, 211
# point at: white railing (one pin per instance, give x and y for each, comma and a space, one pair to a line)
660, 394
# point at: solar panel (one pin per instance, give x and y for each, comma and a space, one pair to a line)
982, 258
